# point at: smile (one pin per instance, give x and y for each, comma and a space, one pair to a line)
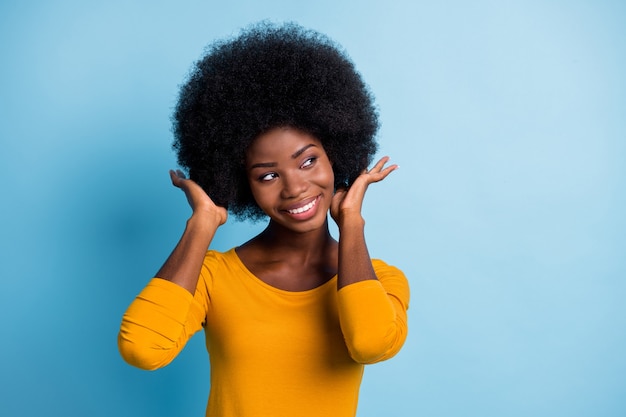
304, 208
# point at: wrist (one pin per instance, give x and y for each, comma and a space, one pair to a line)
204, 220
351, 220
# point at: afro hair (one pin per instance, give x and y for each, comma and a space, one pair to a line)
266, 77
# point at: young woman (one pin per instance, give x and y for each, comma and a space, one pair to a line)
275, 123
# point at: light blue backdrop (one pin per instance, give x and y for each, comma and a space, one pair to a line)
507, 214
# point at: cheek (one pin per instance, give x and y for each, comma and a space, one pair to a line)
328, 174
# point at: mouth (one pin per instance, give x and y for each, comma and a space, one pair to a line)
305, 210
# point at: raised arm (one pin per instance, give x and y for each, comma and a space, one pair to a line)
167, 312
354, 261
183, 265
372, 303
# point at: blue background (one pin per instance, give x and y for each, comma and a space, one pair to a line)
507, 213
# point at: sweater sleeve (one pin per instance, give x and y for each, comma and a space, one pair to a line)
159, 322
373, 314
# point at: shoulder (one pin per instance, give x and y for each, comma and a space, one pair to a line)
392, 278
216, 267
217, 259
215, 255
386, 269
217, 263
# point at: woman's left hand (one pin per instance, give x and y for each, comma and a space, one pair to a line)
347, 202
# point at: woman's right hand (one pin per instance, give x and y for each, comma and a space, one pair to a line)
200, 202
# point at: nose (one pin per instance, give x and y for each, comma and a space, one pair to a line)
293, 185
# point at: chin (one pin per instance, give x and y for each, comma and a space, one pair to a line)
315, 223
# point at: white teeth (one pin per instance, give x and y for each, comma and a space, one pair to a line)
303, 208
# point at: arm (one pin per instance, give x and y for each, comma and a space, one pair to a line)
183, 265
372, 310
169, 310
354, 260
373, 315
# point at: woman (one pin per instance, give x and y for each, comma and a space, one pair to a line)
275, 123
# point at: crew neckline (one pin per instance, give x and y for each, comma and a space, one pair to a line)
233, 252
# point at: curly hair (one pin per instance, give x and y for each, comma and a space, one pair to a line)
270, 76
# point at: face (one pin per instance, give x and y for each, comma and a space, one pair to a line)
291, 178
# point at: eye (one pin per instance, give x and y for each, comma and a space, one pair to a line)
268, 177
308, 162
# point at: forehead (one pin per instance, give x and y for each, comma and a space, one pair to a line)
280, 143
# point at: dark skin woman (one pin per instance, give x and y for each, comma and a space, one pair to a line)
274, 125
288, 171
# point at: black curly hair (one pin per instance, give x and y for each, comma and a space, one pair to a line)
270, 76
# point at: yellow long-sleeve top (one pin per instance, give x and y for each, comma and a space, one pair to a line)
273, 353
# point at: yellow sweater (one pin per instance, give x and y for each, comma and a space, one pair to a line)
273, 353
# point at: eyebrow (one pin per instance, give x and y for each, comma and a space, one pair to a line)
301, 150
293, 156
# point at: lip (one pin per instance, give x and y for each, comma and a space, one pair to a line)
305, 215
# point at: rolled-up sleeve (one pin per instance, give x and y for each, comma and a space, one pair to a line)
158, 324
373, 314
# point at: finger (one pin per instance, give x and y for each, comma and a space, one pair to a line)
173, 176
379, 176
379, 165
388, 170
339, 195
379, 172
177, 177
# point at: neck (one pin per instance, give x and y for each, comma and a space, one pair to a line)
276, 237
312, 254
